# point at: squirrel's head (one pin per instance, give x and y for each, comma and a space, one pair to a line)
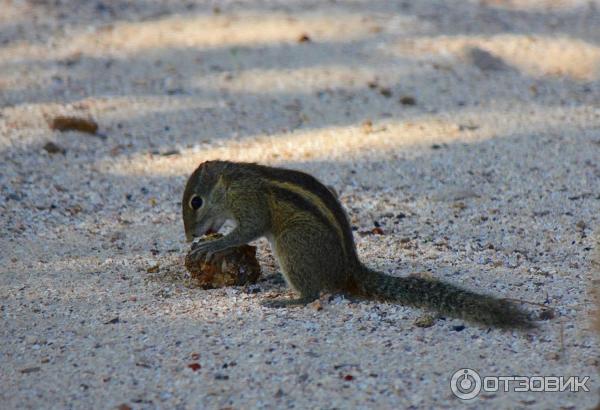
203, 204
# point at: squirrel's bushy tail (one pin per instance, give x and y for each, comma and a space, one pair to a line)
444, 297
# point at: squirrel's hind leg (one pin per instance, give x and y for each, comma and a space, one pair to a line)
308, 264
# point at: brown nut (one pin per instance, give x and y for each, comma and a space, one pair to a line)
231, 267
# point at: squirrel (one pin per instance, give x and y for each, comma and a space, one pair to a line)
312, 241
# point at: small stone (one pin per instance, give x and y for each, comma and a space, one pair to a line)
153, 269
386, 92
459, 206
547, 314
52, 148
194, 366
408, 100
316, 305
31, 370
592, 361
71, 123
377, 231
424, 321
117, 236
74, 210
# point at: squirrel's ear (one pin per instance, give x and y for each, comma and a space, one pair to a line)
210, 173
206, 172
222, 183
203, 167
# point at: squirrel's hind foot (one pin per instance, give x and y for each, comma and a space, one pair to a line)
283, 303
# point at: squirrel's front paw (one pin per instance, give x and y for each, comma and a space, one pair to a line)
202, 250
197, 254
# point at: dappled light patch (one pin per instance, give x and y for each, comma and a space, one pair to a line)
342, 143
201, 31
533, 55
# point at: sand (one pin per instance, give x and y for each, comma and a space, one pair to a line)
469, 132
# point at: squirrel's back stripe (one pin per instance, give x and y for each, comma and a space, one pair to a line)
307, 200
312, 185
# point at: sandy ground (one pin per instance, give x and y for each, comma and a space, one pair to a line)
469, 131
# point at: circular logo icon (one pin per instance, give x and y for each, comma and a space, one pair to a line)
465, 384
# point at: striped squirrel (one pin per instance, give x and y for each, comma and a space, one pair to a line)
312, 241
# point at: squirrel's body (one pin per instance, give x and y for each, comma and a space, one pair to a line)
312, 240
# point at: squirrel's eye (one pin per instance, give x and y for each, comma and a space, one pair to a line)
196, 202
